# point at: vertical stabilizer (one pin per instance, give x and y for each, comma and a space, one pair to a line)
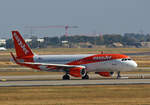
22, 49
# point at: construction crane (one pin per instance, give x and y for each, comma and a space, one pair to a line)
53, 26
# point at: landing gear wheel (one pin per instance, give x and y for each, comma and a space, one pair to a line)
118, 75
85, 77
66, 77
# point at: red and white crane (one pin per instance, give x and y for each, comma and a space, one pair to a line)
53, 26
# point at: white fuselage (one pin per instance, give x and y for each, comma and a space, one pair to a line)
101, 66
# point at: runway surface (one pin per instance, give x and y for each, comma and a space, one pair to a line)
55, 80
74, 82
59, 76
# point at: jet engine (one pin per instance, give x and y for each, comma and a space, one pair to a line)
77, 72
105, 74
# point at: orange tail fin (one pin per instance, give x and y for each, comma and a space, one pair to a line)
22, 49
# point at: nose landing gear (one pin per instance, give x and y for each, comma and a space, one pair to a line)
118, 75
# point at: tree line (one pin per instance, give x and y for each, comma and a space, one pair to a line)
128, 39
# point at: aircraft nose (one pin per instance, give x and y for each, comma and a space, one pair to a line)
133, 65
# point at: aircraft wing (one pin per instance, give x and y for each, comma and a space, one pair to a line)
46, 66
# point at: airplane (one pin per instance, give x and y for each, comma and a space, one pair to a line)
72, 65
3, 49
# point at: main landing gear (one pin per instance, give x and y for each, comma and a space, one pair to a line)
66, 77
86, 76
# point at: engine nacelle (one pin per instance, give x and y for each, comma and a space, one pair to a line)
77, 72
105, 74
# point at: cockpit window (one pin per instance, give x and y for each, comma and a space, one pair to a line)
126, 59
123, 59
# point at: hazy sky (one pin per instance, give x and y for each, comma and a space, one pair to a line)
102, 16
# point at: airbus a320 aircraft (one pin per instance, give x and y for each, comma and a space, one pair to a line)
75, 65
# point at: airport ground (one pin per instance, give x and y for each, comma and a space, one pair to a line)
75, 95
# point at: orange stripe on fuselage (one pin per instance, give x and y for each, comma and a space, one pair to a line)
97, 58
